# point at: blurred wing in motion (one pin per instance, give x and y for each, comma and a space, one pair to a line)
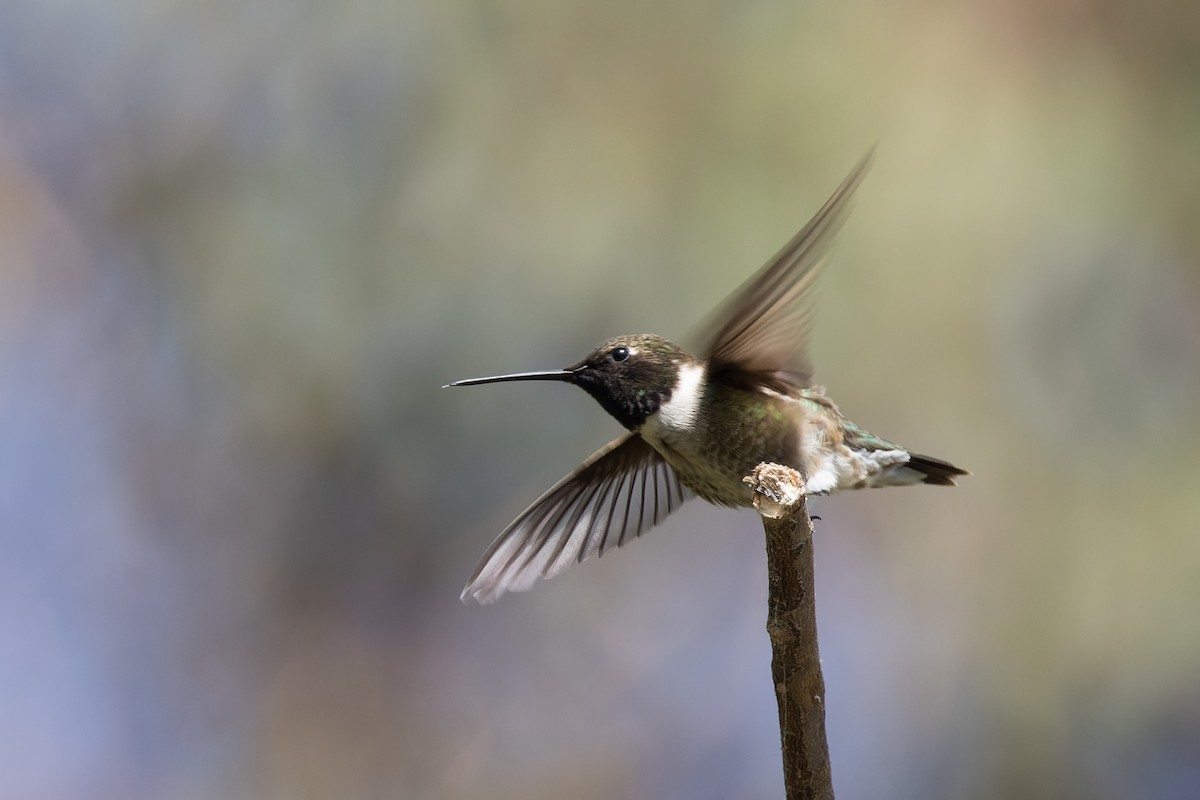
621, 491
760, 334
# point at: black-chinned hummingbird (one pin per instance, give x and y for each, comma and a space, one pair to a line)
699, 424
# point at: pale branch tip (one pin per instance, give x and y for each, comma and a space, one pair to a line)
777, 489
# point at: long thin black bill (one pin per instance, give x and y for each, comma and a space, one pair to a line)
548, 375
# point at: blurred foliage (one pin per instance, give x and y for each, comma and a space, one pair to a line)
242, 245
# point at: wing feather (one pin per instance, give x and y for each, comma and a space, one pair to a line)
625, 484
761, 333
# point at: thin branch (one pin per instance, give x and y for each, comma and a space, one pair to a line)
792, 625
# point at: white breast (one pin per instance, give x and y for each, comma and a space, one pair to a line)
678, 415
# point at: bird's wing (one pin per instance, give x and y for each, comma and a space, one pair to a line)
621, 491
759, 336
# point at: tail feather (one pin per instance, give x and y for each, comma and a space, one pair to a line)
936, 471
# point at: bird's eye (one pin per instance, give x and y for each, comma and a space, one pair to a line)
619, 353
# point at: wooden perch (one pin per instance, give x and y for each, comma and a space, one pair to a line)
792, 625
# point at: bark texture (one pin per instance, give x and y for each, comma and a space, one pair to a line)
792, 626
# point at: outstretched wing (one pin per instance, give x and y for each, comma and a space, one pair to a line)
760, 334
621, 491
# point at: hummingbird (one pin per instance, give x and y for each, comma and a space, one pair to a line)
696, 425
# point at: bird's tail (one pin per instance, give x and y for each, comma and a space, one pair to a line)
934, 470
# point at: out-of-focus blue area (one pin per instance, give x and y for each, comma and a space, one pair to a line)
243, 245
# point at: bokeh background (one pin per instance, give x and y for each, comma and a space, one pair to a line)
242, 245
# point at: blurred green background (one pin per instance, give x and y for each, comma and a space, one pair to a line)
242, 245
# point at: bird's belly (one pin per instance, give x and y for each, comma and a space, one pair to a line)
710, 482
713, 466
